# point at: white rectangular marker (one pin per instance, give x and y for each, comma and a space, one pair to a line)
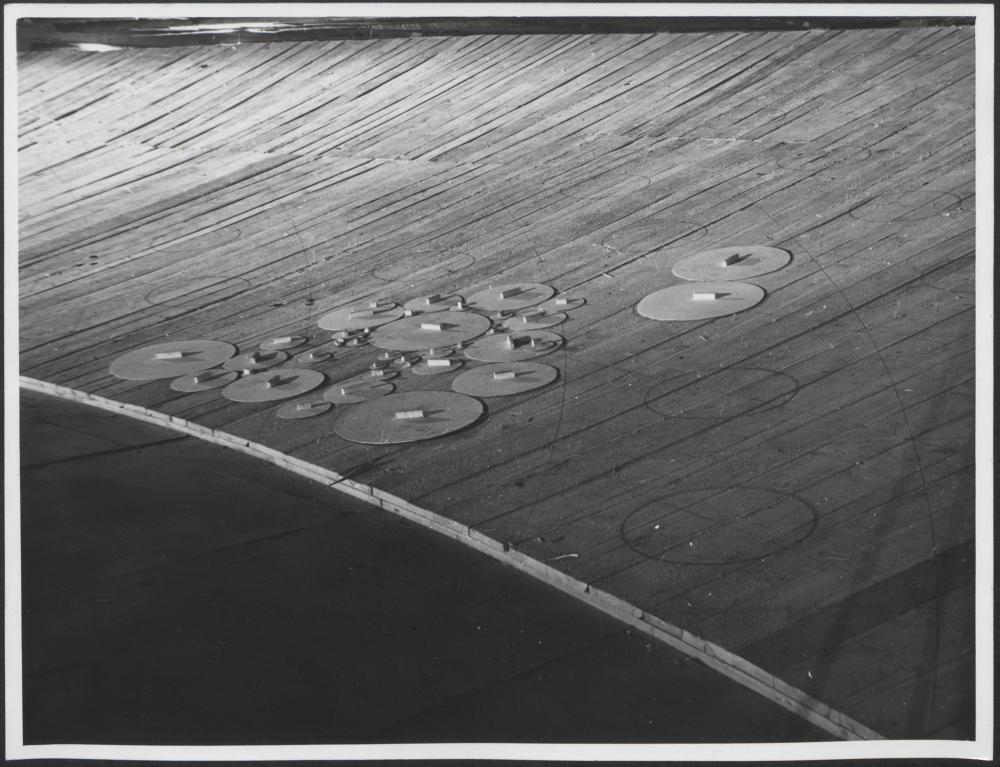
438, 326
169, 355
509, 293
437, 363
704, 296
730, 260
505, 375
409, 414
282, 340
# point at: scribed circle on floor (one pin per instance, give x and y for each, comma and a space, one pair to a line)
613, 184
806, 158
175, 290
722, 394
197, 245
719, 525
423, 266
650, 236
910, 205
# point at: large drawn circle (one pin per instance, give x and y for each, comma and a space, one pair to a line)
909, 205
171, 359
174, 290
648, 236
611, 184
722, 394
805, 157
409, 334
418, 266
719, 525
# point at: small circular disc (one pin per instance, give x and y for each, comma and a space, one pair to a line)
497, 348
293, 411
283, 342
503, 378
256, 360
424, 368
738, 262
357, 390
312, 357
533, 319
561, 303
204, 380
513, 296
408, 417
273, 385
437, 302
432, 329
700, 300
171, 359
360, 316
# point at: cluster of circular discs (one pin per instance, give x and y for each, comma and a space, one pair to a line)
504, 327
717, 289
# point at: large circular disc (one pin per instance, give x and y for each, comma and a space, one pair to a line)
513, 296
533, 319
437, 302
357, 390
408, 417
360, 316
294, 411
512, 347
206, 380
171, 359
430, 330
273, 385
503, 378
436, 366
737, 262
700, 300
256, 360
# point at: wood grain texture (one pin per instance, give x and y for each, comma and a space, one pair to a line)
241, 192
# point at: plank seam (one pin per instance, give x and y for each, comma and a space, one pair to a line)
712, 655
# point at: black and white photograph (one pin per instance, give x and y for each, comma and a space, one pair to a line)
472, 381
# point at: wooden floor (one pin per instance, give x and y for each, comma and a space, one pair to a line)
793, 483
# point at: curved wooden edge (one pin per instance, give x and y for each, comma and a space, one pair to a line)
712, 655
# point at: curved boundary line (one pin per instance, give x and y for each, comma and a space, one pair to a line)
712, 655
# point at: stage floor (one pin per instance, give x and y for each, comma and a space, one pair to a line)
792, 484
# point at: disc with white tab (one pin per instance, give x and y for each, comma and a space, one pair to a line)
294, 411
510, 297
255, 361
283, 342
503, 378
273, 385
360, 389
171, 359
533, 318
430, 330
206, 380
408, 417
436, 302
737, 262
433, 366
700, 300
512, 347
372, 314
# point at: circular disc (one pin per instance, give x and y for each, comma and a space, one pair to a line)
356, 390
496, 348
496, 380
682, 302
283, 342
256, 360
360, 316
273, 385
533, 319
426, 369
437, 302
204, 381
408, 417
513, 296
737, 262
185, 358
562, 303
421, 331
312, 357
293, 411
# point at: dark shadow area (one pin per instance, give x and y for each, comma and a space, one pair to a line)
179, 593
41, 34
